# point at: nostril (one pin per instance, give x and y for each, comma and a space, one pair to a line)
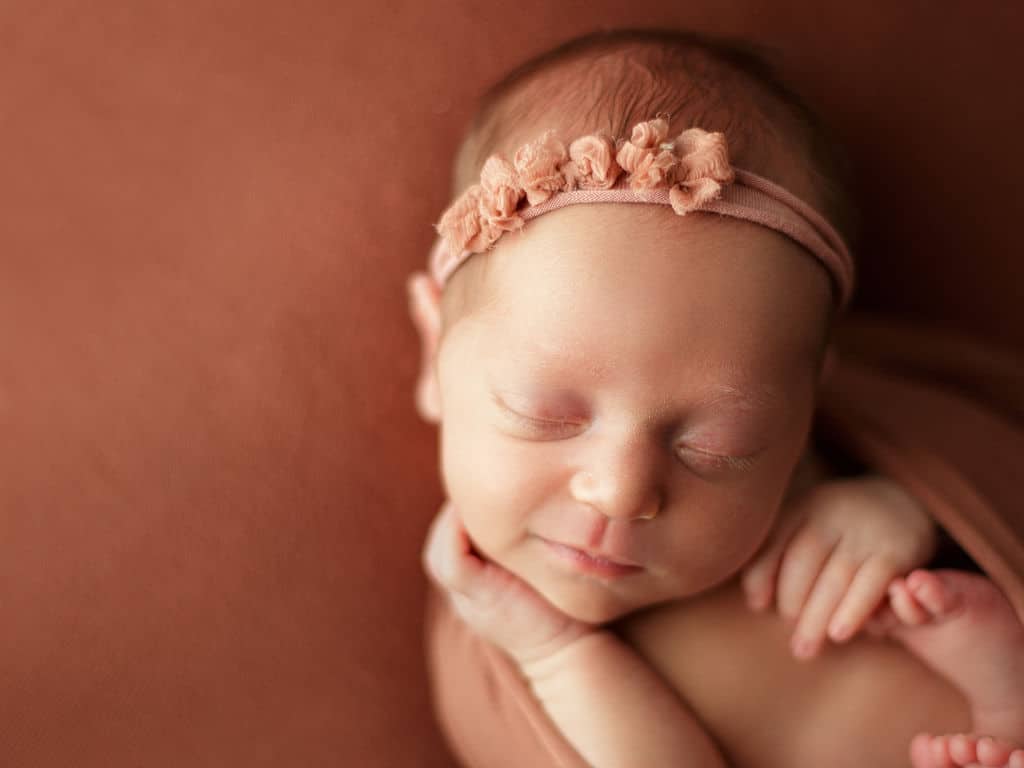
627, 483
652, 513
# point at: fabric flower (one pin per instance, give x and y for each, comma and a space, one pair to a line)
460, 224
695, 167
703, 169
649, 163
501, 196
539, 165
593, 163
654, 171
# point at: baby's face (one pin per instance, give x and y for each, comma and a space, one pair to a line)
633, 363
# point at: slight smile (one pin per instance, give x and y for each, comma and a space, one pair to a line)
589, 563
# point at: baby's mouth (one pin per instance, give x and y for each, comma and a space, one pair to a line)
591, 562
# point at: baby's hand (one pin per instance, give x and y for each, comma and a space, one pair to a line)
832, 554
496, 603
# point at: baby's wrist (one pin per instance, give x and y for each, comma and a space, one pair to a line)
545, 666
900, 494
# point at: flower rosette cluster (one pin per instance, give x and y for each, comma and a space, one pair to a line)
694, 167
487, 210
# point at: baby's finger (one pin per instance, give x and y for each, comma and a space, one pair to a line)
447, 554
882, 621
759, 579
820, 605
866, 592
761, 574
801, 564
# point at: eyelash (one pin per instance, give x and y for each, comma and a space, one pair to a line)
539, 424
718, 461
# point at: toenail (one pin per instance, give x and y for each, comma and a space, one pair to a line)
838, 631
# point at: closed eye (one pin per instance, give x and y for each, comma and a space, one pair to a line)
716, 460
533, 423
559, 427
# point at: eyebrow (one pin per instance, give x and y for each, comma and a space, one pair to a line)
558, 359
746, 399
750, 399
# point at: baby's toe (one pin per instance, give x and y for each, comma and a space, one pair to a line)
963, 749
905, 605
930, 592
993, 752
940, 753
921, 751
968, 750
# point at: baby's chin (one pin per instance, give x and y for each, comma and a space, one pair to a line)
593, 603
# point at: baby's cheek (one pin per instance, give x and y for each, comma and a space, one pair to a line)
747, 513
489, 486
752, 533
714, 545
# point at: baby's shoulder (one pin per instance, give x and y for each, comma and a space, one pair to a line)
734, 668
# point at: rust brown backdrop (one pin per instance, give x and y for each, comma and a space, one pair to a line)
213, 485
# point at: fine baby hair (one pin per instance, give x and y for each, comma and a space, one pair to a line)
647, 115
690, 173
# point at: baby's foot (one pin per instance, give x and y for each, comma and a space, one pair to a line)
962, 626
963, 749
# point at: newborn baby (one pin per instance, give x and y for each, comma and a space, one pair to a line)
626, 394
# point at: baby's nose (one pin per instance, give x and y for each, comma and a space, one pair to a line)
626, 481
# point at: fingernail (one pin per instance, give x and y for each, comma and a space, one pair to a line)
838, 631
802, 647
755, 600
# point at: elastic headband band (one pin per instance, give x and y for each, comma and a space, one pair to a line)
691, 173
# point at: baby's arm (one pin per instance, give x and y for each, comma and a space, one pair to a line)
615, 709
833, 553
610, 705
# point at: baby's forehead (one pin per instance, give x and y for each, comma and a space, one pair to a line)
615, 248
627, 275
726, 378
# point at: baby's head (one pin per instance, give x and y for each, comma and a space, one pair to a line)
617, 377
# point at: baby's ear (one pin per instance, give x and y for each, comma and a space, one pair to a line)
829, 364
425, 310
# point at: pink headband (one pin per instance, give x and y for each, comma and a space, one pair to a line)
690, 173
